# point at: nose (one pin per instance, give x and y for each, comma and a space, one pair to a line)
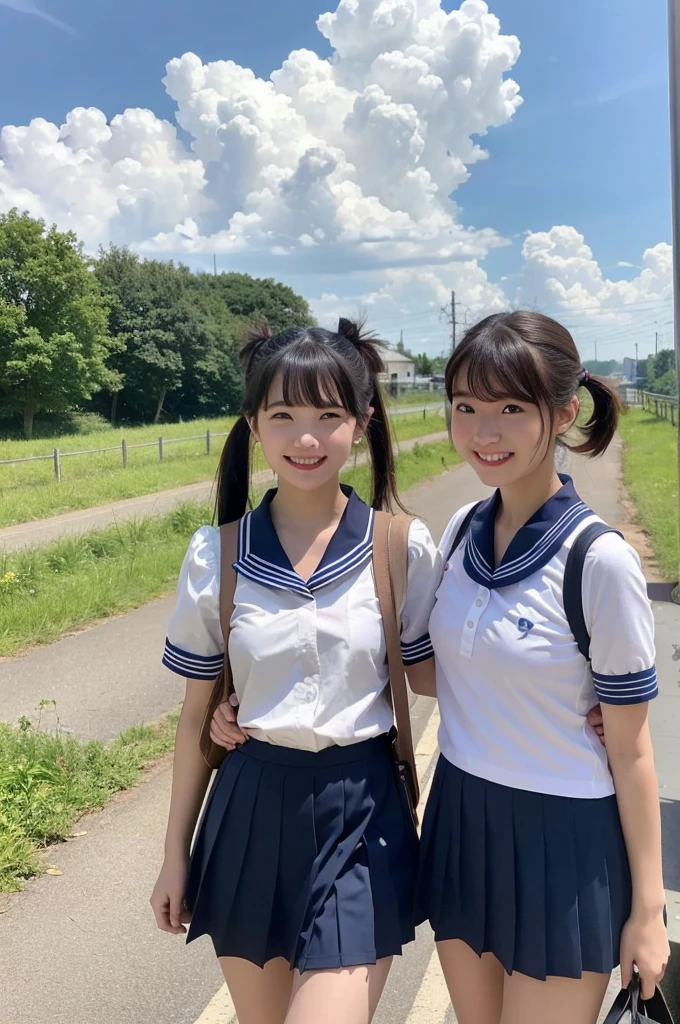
307, 441
487, 430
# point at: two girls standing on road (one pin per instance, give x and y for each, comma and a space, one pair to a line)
304, 867
540, 855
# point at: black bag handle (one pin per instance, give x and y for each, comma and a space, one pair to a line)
463, 528
654, 1010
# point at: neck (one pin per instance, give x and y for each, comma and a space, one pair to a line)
308, 510
519, 501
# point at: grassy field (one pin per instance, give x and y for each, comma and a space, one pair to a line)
48, 780
49, 590
650, 473
29, 490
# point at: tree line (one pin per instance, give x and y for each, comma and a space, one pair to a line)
131, 339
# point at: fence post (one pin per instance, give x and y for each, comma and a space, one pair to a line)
424, 413
57, 465
207, 442
656, 407
123, 448
672, 415
160, 449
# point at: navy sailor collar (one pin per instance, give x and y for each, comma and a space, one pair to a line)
533, 545
261, 557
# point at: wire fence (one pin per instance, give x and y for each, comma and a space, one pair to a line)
124, 447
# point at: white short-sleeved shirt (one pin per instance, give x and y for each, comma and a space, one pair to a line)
513, 688
307, 658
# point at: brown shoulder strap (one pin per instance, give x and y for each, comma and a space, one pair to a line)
224, 685
390, 568
228, 555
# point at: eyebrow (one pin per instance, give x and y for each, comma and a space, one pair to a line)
501, 398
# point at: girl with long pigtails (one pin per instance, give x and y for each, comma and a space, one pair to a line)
304, 864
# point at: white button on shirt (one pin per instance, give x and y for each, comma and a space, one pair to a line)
513, 688
307, 658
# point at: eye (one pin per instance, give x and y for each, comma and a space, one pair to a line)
330, 416
512, 409
464, 407
281, 416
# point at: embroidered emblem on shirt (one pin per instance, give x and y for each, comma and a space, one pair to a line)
524, 626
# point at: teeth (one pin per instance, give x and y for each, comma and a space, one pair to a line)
496, 457
304, 462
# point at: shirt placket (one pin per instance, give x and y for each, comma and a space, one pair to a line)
471, 624
306, 691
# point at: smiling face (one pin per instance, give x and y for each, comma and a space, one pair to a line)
505, 439
306, 446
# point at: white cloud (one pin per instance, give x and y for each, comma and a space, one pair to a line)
28, 7
561, 271
329, 165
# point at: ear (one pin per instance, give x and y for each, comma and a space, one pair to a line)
566, 416
252, 423
362, 425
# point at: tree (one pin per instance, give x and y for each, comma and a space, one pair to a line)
54, 342
253, 299
424, 367
661, 373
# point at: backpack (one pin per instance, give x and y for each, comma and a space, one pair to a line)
390, 567
572, 592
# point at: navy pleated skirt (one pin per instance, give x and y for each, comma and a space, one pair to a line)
540, 881
312, 857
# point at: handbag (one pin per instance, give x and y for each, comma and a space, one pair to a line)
628, 1002
390, 573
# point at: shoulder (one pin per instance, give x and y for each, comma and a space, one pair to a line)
419, 540
204, 546
610, 556
453, 526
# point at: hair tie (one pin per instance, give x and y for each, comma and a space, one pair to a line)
348, 329
584, 378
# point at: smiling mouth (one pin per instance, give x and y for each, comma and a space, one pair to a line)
493, 458
305, 464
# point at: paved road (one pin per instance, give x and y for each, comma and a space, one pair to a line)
82, 948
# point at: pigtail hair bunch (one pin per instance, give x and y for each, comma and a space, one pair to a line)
366, 343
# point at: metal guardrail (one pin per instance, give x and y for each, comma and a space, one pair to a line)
664, 407
57, 455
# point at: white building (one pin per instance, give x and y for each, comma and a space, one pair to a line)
398, 366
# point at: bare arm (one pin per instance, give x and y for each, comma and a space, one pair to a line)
190, 778
421, 678
631, 759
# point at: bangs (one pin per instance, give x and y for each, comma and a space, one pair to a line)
497, 365
311, 375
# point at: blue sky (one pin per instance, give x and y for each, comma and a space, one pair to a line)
588, 148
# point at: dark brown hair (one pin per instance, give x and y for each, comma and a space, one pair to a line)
318, 368
531, 357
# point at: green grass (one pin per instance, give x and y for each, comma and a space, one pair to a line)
47, 591
29, 491
48, 780
650, 471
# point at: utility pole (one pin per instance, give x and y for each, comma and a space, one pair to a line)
453, 320
596, 350
656, 343
214, 264
674, 76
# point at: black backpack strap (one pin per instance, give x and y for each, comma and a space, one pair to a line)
463, 528
572, 588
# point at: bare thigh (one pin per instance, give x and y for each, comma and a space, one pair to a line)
260, 994
349, 995
558, 1000
475, 983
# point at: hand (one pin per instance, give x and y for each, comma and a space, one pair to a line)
594, 717
223, 728
167, 898
644, 942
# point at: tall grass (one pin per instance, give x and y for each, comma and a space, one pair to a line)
650, 471
29, 491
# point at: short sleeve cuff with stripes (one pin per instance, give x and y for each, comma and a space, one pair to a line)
418, 650
633, 688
